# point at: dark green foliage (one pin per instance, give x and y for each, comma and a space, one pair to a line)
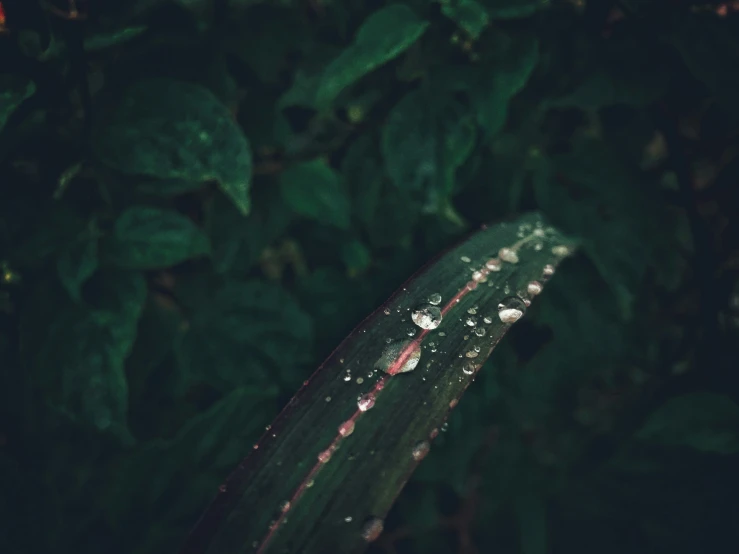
200, 200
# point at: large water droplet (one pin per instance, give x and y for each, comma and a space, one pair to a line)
534, 288
471, 354
510, 309
420, 450
469, 368
366, 402
427, 317
435, 299
508, 255
372, 529
471, 321
493, 264
393, 352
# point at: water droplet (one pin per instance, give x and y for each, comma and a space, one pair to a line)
388, 361
435, 299
480, 331
432, 346
372, 529
442, 334
348, 519
493, 264
469, 368
465, 259
511, 309
309, 484
366, 402
477, 276
427, 317
434, 433
411, 331
472, 310
348, 377
444, 427
453, 403
284, 506
538, 246
487, 320
527, 302
346, 428
538, 232
471, 354
548, 270
360, 380
534, 288
222, 488
508, 255
471, 321
386, 311
420, 450
328, 399
471, 285
560, 250
324, 456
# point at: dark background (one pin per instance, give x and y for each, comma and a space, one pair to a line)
200, 199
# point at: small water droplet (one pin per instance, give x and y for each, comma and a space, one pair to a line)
348, 377
284, 506
453, 403
432, 346
487, 320
442, 334
255, 447
348, 519
434, 433
372, 529
346, 428
435, 299
360, 380
538, 232
309, 484
508, 255
411, 331
388, 361
465, 259
511, 309
420, 450
366, 402
472, 310
469, 368
444, 427
387, 311
538, 246
427, 317
222, 488
534, 288
493, 264
480, 331
548, 270
471, 354
560, 250
328, 399
324, 456
477, 276
471, 285
471, 321
527, 302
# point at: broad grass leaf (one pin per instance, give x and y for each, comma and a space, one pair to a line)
175, 131
148, 238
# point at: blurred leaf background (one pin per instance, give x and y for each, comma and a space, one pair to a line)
199, 199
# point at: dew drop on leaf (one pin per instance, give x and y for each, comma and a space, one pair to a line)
487, 320
366, 402
471, 285
386, 311
372, 529
493, 264
480, 331
478, 276
534, 288
548, 270
471, 354
324, 456
560, 250
471, 321
469, 368
435, 299
284, 506
388, 361
427, 317
508, 255
346, 428
465, 259
510, 309
420, 450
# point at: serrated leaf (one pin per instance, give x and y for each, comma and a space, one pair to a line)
13, 91
312, 457
383, 36
148, 238
314, 190
704, 421
175, 131
468, 14
248, 334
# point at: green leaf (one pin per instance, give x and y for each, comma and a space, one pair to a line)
249, 333
468, 14
704, 421
175, 131
330, 475
79, 365
77, 264
150, 238
314, 190
383, 36
13, 91
532, 522
356, 256
423, 144
502, 78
